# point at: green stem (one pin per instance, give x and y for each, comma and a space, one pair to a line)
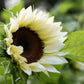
22, 76
13, 80
37, 75
5, 79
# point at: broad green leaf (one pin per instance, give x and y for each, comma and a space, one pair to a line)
74, 45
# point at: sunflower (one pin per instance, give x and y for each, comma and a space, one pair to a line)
34, 41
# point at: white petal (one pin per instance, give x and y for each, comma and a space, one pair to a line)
62, 53
50, 31
14, 25
25, 68
36, 67
53, 48
8, 51
52, 60
6, 29
55, 40
29, 10
50, 20
39, 22
20, 59
21, 16
57, 24
15, 50
28, 71
50, 68
22, 11
35, 11
9, 35
45, 72
28, 17
46, 29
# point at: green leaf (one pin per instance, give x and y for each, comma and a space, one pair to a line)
74, 45
7, 13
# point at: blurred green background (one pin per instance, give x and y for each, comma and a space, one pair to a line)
71, 14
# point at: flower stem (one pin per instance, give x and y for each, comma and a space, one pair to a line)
5, 79
13, 80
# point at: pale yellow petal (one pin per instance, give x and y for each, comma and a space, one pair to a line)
14, 25
52, 60
53, 48
50, 68
36, 67
15, 50
19, 58
26, 68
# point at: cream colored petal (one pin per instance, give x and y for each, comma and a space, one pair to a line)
35, 11
8, 33
39, 22
48, 30
62, 53
28, 17
22, 12
53, 48
29, 9
14, 25
50, 68
50, 20
46, 72
26, 68
8, 51
49, 34
54, 35
52, 60
39, 14
15, 50
57, 24
20, 58
6, 29
35, 18
55, 41
21, 17
45, 30
55, 54
36, 67
8, 41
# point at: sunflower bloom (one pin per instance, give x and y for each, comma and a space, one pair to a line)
34, 41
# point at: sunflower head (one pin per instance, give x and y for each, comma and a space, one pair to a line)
34, 41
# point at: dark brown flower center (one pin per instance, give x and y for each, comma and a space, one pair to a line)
31, 43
